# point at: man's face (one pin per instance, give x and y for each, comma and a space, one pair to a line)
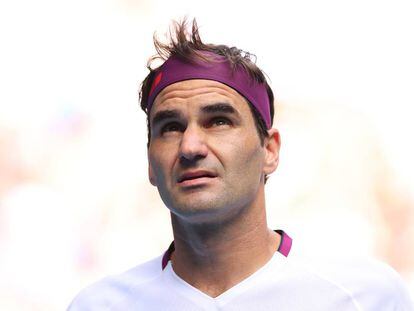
205, 155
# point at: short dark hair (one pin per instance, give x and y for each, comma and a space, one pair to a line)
188, 46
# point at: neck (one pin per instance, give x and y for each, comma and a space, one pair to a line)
215, 257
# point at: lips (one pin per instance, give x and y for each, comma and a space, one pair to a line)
195, 174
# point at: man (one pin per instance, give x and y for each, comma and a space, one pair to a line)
211, 147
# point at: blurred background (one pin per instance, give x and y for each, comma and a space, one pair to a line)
75, 202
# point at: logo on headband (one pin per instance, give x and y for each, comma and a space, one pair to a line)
157, 81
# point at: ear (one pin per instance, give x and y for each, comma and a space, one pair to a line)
151, 175
271, 148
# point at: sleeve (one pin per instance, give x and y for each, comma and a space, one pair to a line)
373, 285
377, 286
98, 296
401, 295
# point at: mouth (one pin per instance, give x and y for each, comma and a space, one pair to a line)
193, 177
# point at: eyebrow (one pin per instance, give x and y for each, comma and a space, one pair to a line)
165, 115
219, 107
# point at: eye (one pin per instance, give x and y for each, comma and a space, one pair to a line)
171, 127
220, 121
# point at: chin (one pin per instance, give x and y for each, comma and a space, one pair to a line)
204, 212
195, 211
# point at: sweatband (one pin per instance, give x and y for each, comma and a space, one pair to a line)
218, 69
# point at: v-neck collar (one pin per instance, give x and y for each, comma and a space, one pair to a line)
187, 291
199, 298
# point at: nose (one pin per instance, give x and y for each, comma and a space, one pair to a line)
193, 145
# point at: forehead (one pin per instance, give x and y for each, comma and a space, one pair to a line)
198, 91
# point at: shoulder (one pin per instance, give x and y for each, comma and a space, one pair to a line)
368, 283
113, 290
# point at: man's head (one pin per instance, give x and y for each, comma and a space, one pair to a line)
209, 148
189, 48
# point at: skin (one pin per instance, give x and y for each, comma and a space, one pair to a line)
219, 218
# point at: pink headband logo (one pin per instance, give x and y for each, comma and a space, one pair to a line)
157, 80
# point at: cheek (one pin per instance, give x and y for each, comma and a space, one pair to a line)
250, 147
246, 159
161, 163
156, 165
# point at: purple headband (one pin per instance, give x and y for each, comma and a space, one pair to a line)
175, 70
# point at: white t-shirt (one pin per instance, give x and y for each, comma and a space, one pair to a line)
283, 284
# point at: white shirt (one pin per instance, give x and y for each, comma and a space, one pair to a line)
282, 284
